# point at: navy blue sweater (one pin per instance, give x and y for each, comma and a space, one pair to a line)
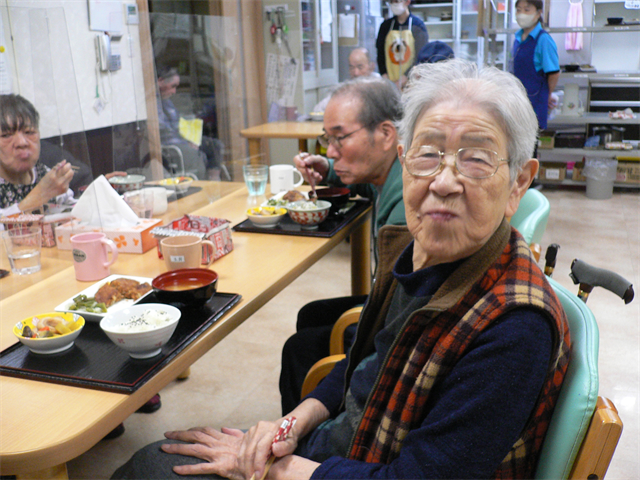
476, 414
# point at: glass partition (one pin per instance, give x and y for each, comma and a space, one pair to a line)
97, 118
200, 93
51, 86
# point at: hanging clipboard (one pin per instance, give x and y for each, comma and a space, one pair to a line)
348, 29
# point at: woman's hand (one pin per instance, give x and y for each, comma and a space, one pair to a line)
257, 446
315, 165
54, 183
218, 449
116, 173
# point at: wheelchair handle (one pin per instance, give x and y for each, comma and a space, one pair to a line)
550, 259
589, 276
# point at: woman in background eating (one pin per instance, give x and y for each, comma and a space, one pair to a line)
25, 183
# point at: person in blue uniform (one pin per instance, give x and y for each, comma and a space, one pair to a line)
535, 58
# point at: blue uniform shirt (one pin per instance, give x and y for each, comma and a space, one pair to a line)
545, 56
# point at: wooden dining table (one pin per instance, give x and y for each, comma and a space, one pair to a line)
301, 131
38, 446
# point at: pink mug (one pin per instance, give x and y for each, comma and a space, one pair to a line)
90, 255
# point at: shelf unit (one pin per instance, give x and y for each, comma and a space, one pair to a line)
598, 91
430, 13
567, 155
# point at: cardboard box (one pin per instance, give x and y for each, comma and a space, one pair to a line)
216, 230
628, 172
136, 239
577, 172
546, 140
552, 171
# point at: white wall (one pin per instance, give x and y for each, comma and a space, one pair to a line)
53, 63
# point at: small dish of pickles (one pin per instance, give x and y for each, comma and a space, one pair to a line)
49, 332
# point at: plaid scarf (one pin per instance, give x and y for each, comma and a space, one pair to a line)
434, 340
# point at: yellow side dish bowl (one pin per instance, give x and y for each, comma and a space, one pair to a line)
61, 330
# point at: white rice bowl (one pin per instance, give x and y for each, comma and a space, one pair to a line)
142, 329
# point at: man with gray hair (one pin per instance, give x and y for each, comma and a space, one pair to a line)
361, 142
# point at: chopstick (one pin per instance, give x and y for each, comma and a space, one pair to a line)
73, 167
281, 434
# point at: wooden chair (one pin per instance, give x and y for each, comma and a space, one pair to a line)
585, 428
336, 351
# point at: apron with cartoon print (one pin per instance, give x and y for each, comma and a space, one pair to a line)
400, 53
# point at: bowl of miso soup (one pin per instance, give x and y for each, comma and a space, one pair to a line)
191, 287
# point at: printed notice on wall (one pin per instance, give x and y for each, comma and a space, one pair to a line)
282, 78
632, 4
5, 64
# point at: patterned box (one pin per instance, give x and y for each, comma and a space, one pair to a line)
20, 220
216, 230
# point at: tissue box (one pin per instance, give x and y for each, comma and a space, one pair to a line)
216, 230
135, 239
20, 220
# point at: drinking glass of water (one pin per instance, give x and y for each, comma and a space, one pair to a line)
23, 246
255, 177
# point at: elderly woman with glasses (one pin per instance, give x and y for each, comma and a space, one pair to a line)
462, 345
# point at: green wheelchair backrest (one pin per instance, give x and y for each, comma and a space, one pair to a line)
531, 217
577, 400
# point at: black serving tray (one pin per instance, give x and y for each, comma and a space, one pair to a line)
332, 225
96, 362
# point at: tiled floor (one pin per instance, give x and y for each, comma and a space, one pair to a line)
236, 383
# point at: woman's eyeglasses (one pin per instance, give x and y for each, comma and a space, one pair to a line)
427, 160
325, 140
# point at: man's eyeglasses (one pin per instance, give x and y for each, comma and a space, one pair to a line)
427, 161
325, 140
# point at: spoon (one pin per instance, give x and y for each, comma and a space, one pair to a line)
312, 195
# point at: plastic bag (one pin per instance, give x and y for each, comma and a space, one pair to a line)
603, 169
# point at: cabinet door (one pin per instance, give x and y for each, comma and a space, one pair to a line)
319, 42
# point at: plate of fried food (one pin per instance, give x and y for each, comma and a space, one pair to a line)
283, 198
109, 295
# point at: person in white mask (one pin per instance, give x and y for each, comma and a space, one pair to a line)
535, 58
400, 38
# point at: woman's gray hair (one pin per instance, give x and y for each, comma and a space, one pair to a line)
380, 100
495, 91
17, 113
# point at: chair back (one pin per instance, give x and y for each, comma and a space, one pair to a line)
579, 394
532, 215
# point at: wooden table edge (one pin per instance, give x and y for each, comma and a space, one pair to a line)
29, 462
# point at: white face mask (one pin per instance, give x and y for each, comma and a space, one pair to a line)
397, 8
526, 20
